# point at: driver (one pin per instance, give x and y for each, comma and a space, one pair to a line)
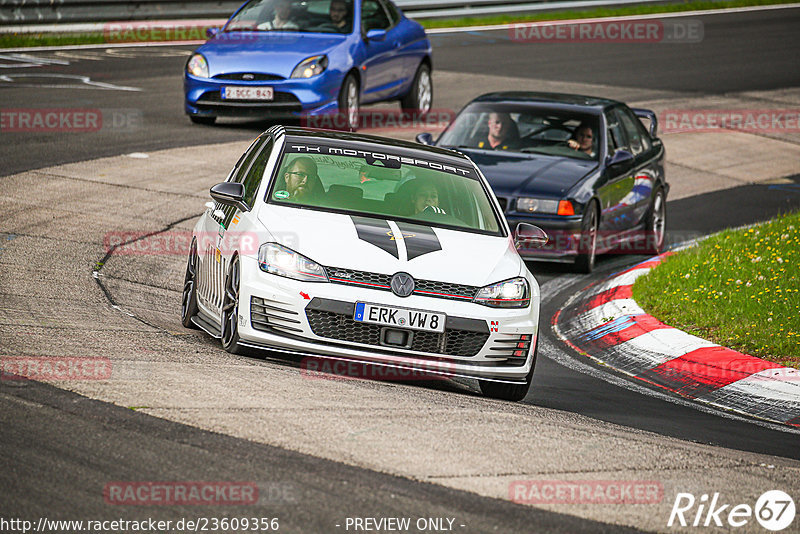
503, 133
582, 139
281, 21
302, 181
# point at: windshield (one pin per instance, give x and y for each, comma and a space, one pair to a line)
524, 130
326, 16
385, 185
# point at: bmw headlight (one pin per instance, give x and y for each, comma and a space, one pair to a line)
277, 259
310, 67
513, 293
545, 205
197, 66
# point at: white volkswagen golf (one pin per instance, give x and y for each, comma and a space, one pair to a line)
366, 249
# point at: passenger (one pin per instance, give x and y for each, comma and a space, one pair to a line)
503, 133
418, 197
583, 139
301, 182
281, 21
340, 15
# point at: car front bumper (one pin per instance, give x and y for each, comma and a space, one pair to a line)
317, 319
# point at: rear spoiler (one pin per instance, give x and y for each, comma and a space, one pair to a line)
650, 116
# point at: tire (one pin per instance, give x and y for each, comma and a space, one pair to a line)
199, 119
510, 392
419, 98
189, 298
230, 310
656, 225
349, 102
584, 263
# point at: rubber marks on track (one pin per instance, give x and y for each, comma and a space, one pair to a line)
603, 322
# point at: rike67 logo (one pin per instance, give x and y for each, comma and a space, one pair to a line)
774, 510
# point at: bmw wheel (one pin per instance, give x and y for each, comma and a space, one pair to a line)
349, 102
420, 98
189, 300
656, 224
230, 310
587, 244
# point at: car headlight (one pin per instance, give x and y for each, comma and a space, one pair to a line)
544, 205
513, 293
310, 67
277, 259
197, 66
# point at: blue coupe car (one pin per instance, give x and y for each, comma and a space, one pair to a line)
309, 58
584, 169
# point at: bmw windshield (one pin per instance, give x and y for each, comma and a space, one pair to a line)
325, 16
521, 129
375, 182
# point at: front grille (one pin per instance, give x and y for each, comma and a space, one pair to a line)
256, 77
341, 326
272, 316
503, 203
425, 288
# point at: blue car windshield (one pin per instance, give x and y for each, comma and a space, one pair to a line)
320, 16
524, 130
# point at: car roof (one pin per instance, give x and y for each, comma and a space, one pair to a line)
328, 135
565, 101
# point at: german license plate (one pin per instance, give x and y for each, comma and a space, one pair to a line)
247, 93
399, 317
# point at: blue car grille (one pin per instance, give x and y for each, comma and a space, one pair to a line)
249, 77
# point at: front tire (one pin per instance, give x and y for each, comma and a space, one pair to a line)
189, 300
230, 310
587, 246
656, 224
419, 98
349, 102
510, 392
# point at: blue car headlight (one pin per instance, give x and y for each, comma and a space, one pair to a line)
513, 293
197, 66
310, 67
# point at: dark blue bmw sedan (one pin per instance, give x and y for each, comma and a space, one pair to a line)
586, 170
306, 58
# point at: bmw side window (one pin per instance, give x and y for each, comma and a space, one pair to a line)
644, 135
373, 16
634, 137
616, 139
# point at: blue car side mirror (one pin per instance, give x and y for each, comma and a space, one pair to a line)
619, 157
376, 35
425, 138
211, 32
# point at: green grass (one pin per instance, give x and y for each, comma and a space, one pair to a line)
16, 40
740, 289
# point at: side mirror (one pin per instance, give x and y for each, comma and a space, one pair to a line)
376, 35
620, 156
529, 236
230, 194
211, 32
425, 139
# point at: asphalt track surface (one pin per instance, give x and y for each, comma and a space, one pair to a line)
60, 446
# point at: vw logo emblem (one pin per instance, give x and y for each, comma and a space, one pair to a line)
402, 284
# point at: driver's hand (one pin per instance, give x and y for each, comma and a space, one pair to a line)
434, 209
573, 144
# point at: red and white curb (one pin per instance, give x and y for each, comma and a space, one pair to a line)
604, 323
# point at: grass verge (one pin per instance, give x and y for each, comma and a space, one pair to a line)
15, 40
739, 288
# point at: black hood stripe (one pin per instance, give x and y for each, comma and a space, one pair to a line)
376, 232
419, 239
